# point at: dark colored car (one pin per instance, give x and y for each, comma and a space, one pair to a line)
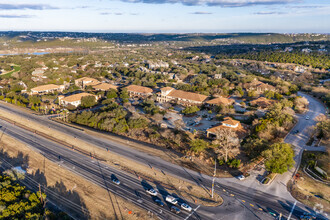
175, 209
159, 202
115, 180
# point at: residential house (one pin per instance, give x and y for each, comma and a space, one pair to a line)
138, 91
299, 69
220, 101
169, 94
74, 100
38, 72
44, 89
306, 50
86, 81
258, 86
104, 87
227, 123
155, 65
217, 76
262, 102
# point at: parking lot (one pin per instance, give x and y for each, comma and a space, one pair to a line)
200, 121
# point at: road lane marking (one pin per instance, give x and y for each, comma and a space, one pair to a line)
260, 209
232, 195
192, 212
243, 200
251, 205
294, 205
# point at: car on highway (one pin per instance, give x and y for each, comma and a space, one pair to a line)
158, 201
171, 199
115, 180
151, 191
241, 177
307, 117
307, 216
296, 132
186, 207
175, 209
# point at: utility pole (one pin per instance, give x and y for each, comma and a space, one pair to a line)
40, 194
215, 171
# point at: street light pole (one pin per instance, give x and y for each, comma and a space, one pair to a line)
215, 171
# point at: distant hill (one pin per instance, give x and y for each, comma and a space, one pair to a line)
248, 38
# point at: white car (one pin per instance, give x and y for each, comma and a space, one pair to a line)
307, 117
152, 192
171, 199
241, 177
186, 207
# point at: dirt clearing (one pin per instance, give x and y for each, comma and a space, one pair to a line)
89, 198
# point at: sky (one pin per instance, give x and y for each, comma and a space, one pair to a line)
166, 16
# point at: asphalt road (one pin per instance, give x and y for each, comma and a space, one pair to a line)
133, 189
240, 202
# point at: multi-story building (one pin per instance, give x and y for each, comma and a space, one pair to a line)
86, 81
138, 91
74, 100
44, 89
169, 94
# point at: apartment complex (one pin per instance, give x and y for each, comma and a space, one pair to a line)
139, 91
86, 81
49, 88
169, 94
74, 100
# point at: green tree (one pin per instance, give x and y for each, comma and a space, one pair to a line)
137, 123
16, 202
279, 158
198, 145
190, 110
34, 100
252, 93
88, 101
269, 94
254, 146
124, 95
111, 94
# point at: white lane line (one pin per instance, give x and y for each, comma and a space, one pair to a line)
192, 212
294, 205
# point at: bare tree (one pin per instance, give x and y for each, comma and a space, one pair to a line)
227, 140
301, 102
179, 124
157, 117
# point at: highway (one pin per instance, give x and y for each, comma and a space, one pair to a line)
94, 171
131, 187
240, 202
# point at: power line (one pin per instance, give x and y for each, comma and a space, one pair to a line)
32, 184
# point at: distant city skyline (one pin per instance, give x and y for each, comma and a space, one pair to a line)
167, 16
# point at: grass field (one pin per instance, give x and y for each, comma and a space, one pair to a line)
8, 74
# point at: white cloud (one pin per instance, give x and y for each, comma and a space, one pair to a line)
222, 3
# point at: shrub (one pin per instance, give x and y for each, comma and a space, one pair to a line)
198, 145
234, 163
190, 110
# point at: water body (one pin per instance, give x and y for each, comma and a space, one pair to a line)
35, 53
